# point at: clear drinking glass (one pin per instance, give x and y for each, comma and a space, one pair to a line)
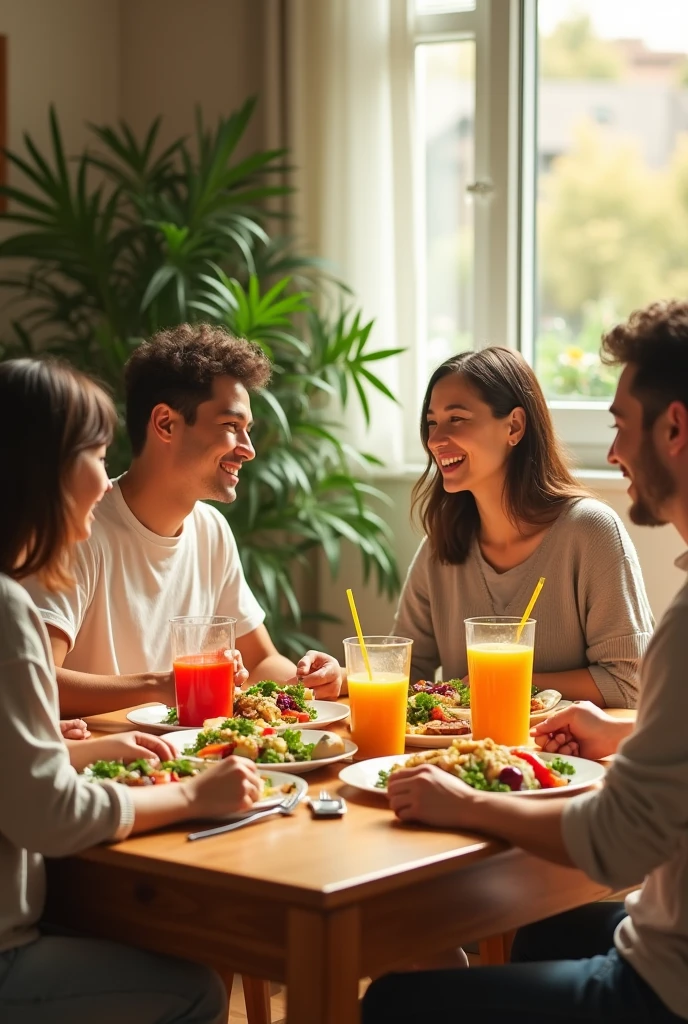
203, 660
378, 706
500, 673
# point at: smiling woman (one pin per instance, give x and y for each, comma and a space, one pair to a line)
500, 508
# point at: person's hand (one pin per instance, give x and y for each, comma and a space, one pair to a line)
322, 673
581, 730
429, 795
240, 673
230, 786
74, 729
130, 746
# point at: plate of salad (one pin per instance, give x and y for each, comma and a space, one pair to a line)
488, 766
438, 708
144, 773
282, 707
290, 750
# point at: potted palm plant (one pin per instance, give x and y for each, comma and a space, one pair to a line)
127, 238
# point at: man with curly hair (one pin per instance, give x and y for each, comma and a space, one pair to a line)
157, 549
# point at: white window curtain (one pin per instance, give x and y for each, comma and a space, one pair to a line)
339, 95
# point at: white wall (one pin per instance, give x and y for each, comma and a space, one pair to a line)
64, 52
657, 549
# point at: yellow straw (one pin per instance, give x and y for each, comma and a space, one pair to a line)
359, 634
531, 604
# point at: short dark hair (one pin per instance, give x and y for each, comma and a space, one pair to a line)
538, 480
654, 340
49, 413
178, 367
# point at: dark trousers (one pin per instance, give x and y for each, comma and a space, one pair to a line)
563, 970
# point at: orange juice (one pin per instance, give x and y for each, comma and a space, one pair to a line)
378, 713
500, 675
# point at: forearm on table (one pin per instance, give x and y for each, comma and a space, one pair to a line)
82, 693
157, 806
533, 825
275, 667
574, 684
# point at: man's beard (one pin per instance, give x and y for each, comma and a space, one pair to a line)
653, 484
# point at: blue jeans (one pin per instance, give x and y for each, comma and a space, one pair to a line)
64, 980
563, 971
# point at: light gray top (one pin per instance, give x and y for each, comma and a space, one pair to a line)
636, 827
593, 611
46, 809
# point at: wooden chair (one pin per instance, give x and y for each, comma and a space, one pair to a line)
256, 995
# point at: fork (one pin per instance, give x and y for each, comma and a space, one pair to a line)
285, 807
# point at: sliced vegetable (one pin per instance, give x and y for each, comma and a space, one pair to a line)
547, 778
217, 750
512, 777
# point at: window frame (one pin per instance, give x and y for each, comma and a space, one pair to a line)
505, 272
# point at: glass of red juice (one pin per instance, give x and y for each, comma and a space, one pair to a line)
203, 661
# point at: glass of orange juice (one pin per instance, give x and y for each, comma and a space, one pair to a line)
203, 661
500, 674
378, 706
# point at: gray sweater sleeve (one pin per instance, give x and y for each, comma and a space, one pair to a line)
414, 617
638, 821
47, 807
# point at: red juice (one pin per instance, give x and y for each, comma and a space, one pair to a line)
205, 688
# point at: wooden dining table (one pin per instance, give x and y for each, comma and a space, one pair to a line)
315, 904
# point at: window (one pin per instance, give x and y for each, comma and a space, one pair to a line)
612, 205
445, 119
553, 184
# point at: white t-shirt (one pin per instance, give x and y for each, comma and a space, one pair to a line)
130, 582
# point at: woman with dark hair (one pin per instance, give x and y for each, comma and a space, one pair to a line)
55, 424
500, 509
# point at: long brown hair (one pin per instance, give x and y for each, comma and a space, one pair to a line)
538, 481
49, 412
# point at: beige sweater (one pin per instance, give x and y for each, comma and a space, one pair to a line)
593, 611
636, 827
46, 809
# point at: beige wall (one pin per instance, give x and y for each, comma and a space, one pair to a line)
177, 54
64, 52
657, 548
97, 60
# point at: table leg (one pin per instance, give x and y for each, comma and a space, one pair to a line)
323, 967
496, 950
228, 980
257, 998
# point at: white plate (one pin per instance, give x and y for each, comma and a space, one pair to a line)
284, 779
538, 716
363, 775
417, 739
328, 712
185, 737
